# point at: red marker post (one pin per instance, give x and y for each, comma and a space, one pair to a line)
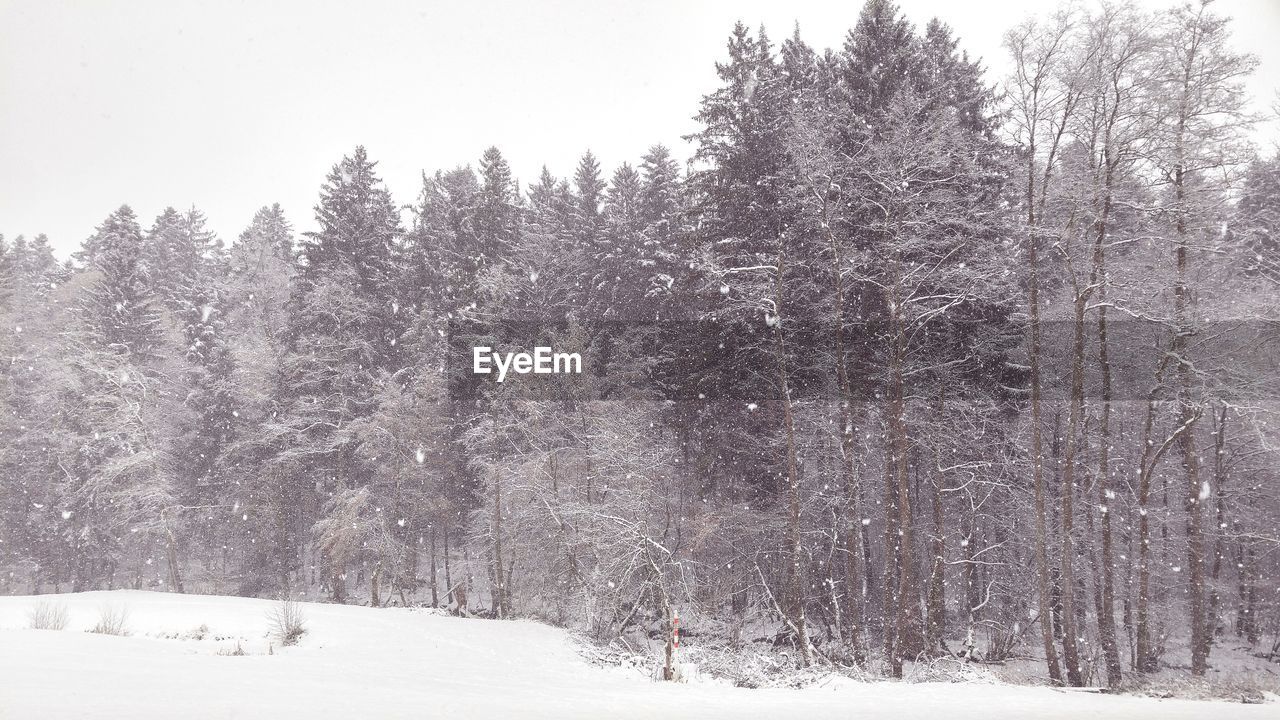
675, 630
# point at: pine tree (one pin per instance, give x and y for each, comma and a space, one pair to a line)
443, 256
117, 493
178, 252
660, 194
879, 59
497, 211
623, 200
121, 309
589, 190
344, 327
1257, 220
265, 522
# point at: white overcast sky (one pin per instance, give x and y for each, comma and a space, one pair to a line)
233, 105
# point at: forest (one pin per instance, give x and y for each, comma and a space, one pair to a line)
906, 361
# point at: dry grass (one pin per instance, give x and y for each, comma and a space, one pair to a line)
237, 651
287, 622
112, 620
47, 616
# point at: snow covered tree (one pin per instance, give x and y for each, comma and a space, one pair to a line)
118, 493
342, 334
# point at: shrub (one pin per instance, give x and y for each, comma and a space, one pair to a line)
287, 623
112, 620
237, 651
47, 616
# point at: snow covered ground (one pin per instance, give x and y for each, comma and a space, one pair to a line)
359, 662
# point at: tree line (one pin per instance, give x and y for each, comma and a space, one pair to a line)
899, 365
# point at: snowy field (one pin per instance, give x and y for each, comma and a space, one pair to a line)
358, 662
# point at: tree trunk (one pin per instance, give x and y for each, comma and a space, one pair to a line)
1037, 441
668, 614
796, 564
1070, 633
1250, 627
1146, 659
339, 585
910, 632
1220, 531
448, 576
1188, 414
499, 587
435, 597
937, 605
1106, 609
171, 553
848, 448
972, 584
892, 558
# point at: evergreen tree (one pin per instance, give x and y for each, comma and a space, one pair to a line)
117, 491
589, 188
178, 253
497, 211
344, 326
1257, 220
121, 308
879, 58
660, 191
265, 521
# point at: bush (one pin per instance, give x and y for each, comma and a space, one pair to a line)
287, 623
112, 620
237, 651
47, 616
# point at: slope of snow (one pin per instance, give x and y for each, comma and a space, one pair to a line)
358, 662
